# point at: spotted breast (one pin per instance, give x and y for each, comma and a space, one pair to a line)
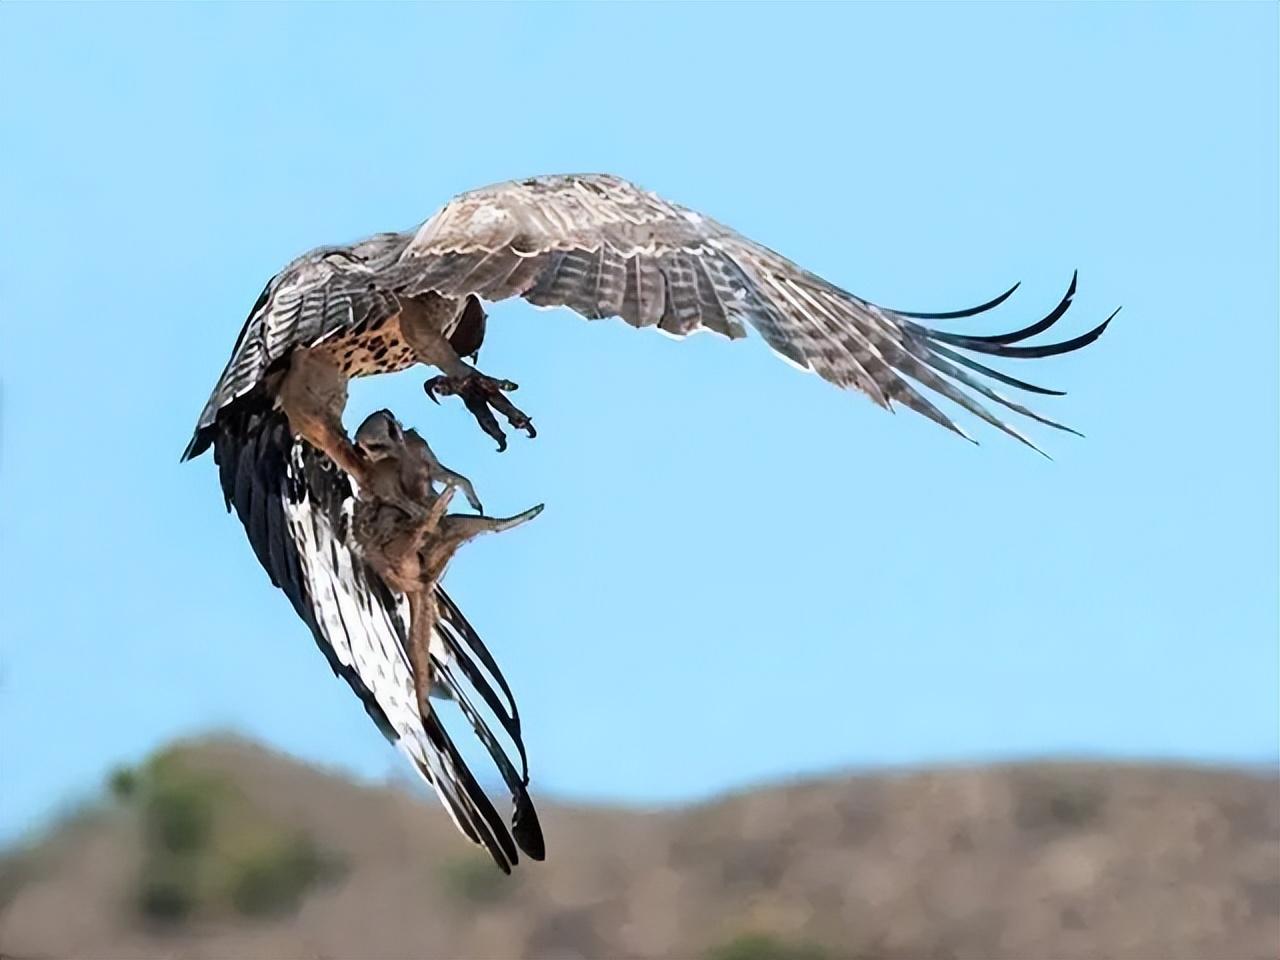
373, 347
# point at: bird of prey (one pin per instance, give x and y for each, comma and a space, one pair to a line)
594, 243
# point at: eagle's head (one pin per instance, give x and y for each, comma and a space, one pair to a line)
380, 436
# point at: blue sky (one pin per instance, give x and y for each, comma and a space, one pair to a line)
742, 573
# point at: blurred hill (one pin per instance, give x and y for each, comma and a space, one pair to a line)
220, 849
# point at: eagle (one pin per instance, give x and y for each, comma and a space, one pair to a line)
601, 246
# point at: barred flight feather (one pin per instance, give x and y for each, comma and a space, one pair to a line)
603, 247
296, 506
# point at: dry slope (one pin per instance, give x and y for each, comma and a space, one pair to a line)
1021, 861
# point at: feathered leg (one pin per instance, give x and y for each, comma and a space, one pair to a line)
313, 395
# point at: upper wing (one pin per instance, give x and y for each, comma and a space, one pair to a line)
603, 247
320, 294
295, 505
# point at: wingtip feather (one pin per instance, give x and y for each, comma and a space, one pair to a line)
960, 314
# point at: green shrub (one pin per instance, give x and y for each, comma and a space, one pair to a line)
762, 946
122, 783
210, 851
274, 877
178, 815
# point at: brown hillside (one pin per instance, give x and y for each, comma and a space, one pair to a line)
223, 850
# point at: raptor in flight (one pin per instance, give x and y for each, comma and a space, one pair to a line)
594, 243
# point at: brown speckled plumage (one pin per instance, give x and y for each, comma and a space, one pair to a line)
378, 348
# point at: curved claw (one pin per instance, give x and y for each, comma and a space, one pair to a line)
483, 396
456, 481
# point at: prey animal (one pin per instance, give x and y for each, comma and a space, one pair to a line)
400, 528
595, 243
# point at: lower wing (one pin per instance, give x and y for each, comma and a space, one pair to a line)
295, 506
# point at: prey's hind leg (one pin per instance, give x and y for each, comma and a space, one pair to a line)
455, 530
313, 395
464, 528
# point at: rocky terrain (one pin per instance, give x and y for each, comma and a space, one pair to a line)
220, 849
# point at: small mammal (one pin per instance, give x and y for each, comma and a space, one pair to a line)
401, 528
400, 466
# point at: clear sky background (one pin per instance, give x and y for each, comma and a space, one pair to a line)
742, 573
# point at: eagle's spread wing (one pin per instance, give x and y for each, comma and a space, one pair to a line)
603, 247
295, 505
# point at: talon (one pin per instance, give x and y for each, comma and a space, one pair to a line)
444, 386
456, 481
483, 396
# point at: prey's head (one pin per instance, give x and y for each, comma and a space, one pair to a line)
380, 436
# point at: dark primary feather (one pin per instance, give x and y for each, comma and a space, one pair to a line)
252, 449
524, 821
294, 504
1040, 326
970, 311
